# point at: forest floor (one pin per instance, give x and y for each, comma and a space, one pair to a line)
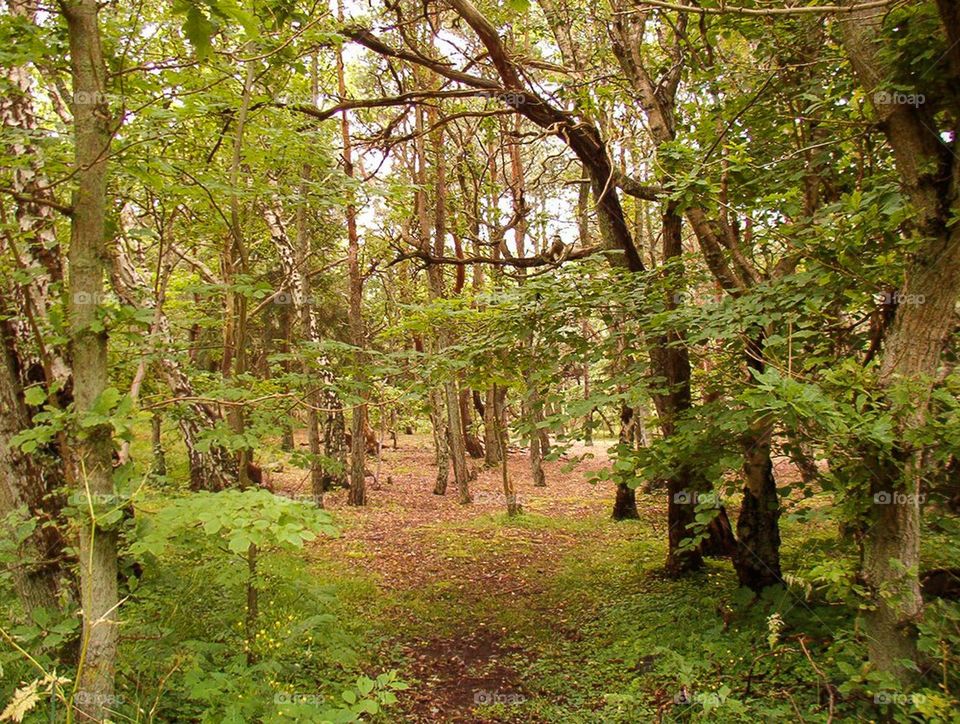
552, 615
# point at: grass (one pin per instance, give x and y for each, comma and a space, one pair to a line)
604, 636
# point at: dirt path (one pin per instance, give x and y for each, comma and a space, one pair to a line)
422, 546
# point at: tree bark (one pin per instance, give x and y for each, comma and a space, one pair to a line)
358, 420
671, 360
24, 487
458, 453
31, 482
159, 467
233, 260
441, 440
509, 493
473, 445
92, 451
930, 178
294, 254
758, 525
493, 448
625, 505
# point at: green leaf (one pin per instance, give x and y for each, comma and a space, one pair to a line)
364, 685
35, 396
199, 29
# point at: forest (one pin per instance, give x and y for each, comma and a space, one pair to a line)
479, 361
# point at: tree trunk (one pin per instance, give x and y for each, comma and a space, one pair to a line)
670, 359
92, 452
458, 453
33, 249
583, 232
588, 418
493, 450
23, 485
322, 477
233, 366
625, 505
536, 442
159, 468
509, 493
758, 525
29, 481
358, 421
473, 444
929, 176
441, 440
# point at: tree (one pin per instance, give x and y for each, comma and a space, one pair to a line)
92, 442
913, 343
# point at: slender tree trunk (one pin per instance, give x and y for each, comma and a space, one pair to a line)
33, 250
536, 442
159, 467
583, 231
358, 420
455, 427
444, 401
234, 262
458, 453
492, 441
441, 440
545, 445
93, 450
758, 527
625, 505
509, 493
588, 418
473, 445
286, 344
322, 477
532, 405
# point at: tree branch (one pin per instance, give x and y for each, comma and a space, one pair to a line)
26, 199
519, 262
